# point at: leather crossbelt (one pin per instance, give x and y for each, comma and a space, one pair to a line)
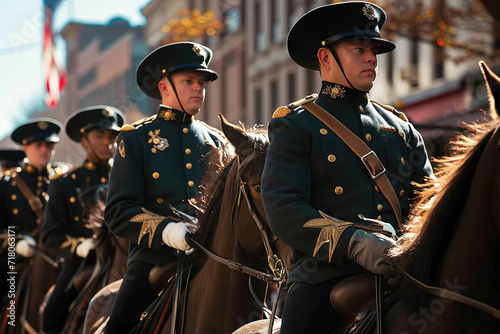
34, 201
367, 156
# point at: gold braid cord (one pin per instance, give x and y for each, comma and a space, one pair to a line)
331, 230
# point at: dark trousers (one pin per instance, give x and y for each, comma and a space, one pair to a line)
308, 309
134, 296
57, 307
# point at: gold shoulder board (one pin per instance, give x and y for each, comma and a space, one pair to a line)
393, 110
58, 175
285, 110
128, 127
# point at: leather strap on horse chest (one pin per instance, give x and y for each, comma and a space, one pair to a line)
367, 156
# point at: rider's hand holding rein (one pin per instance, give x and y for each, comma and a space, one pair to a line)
370, 251
26, 246
84, 247
174, 235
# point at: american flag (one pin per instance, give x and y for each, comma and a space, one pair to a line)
54, 72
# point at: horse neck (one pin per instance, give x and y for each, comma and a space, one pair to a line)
457, 221
475, 246
216, 285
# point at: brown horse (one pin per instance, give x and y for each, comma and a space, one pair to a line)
452, 242
218, 299
111, 257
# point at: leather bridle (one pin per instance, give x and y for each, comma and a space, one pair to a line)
275, 263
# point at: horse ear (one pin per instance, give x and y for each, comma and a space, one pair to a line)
492, 82
237, 137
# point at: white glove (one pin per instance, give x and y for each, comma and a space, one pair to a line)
84, 247
174, 235
26, 246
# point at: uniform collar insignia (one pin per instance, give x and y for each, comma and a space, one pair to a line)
334, 91
167, 115
172, 115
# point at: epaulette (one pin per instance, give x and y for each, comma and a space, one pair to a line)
219, 132
59, 174
393, 110
129, 127
285, 110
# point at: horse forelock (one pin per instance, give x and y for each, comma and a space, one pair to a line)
438, 207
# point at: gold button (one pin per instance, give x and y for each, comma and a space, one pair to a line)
13, 183
380, 207
72, 199
103, 180
401, 133
189, 165
332, 158
13, 197
15, 211
40, 178
188, 151
379, 217
190, 183
401, 193
403, 161
377, 189
39, 184
185, 130
361, 109
73, 176
77, 219
339, 190
159, 200
323, 131
368, 137
153, 150
156, 175
192, 200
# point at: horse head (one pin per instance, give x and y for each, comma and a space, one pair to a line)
251, 148
492, 82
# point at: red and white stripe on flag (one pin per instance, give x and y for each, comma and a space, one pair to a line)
54, 72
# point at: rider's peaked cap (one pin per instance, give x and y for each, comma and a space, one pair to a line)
333, 23
172, 58
86, 119
11, 158
39, 129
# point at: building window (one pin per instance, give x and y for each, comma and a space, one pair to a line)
275, 25
414, 62
259, 34
390, 68
290, 15
291, 88
438, 62
275, 95
258, 106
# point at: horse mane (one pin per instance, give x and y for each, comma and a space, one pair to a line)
220, 161
438, 207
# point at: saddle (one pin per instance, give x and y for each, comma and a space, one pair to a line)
353, 294
160, 275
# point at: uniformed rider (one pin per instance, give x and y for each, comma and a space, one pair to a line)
315, 189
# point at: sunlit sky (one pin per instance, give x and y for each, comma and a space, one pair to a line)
21, 25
